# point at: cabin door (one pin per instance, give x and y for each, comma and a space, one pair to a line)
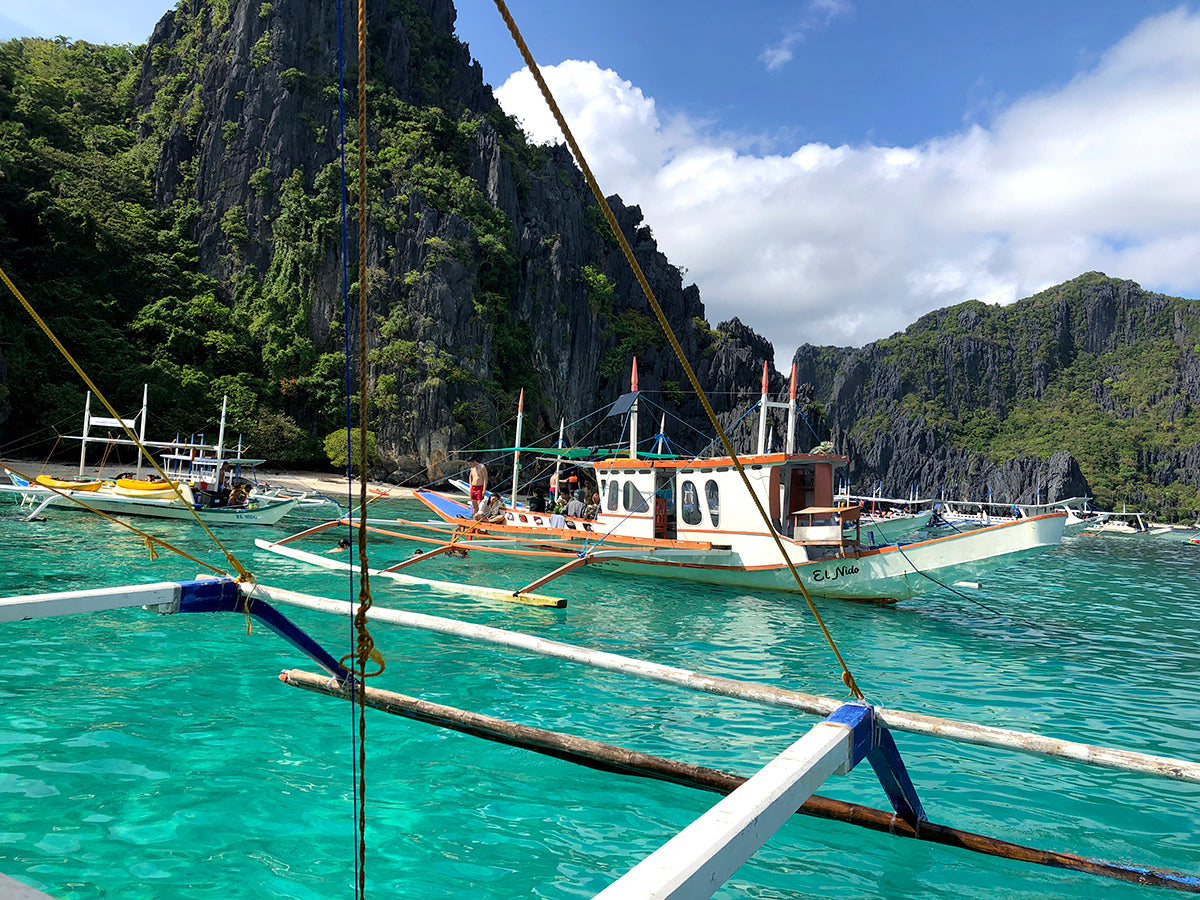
664, 506
800, 490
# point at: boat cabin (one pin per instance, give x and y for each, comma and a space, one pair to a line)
700, 500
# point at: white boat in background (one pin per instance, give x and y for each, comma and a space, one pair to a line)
979, 514
148, 499
201, 480
1134, 524
884, 520
693, 519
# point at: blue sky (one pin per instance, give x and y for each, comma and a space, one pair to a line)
829, 170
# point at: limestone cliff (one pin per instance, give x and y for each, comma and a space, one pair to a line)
492, 274
975, 398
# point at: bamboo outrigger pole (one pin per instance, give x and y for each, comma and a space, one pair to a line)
896, 720
622, 760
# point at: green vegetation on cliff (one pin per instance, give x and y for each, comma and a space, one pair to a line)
117, 277
1096, 367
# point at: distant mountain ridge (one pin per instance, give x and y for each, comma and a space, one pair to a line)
967, 398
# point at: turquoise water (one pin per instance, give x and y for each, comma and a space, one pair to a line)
144, 756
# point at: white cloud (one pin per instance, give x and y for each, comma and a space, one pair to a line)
814, 14
844, 245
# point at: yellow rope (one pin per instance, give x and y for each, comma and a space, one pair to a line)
243, 575
847, 678
150, 540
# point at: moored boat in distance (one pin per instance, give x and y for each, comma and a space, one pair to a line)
980, 513
884, 520
157, 500
1134, 524
202, 481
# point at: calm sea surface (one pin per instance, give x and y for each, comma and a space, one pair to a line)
146, 756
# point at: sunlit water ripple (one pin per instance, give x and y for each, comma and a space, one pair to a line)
159, 757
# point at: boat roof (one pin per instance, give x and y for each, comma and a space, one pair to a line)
212, 460
711, 462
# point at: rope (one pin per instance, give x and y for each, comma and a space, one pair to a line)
360, 835
150, 540
243, 575
847, 677
364, 646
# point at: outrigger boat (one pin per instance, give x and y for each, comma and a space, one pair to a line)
694, 520
201, 481
152, 499
884, 520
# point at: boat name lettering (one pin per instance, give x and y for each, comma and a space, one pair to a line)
839, 572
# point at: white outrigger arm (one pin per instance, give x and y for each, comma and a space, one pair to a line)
168, 597
703, 856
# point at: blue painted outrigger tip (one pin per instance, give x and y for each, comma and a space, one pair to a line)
871, 740
223, 595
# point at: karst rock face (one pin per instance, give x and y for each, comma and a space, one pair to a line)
974, 359
253, 122
5, 400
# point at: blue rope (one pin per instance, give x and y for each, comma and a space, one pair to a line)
346, 342
816, 436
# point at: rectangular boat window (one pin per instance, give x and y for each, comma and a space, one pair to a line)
690, 504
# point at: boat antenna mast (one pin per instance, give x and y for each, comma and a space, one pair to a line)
633, 412
765, 404
517, 448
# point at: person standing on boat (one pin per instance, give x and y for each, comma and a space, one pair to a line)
477, 478
537, 503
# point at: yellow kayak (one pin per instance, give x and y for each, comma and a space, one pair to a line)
57, 484
133, 484
159, 492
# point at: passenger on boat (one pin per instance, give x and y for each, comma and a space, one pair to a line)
239, 495
576, 509
492, 511
537, 503
593, 508
477, 478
